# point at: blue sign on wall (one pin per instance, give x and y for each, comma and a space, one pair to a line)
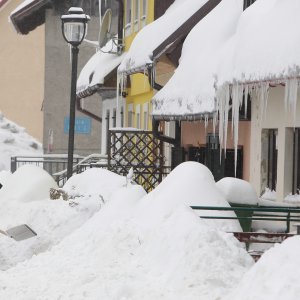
83, 125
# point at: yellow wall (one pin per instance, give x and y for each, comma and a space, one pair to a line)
22, 73
140, 91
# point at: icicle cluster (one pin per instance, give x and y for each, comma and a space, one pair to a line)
238, 94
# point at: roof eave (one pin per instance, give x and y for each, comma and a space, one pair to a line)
29, 17
184, 117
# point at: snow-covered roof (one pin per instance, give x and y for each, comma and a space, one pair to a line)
29, 14
97, 68
154, 34
264, 50
190, 92
266, 44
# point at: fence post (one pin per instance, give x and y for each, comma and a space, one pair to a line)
13, 164
288, 222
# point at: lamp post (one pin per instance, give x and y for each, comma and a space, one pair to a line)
74, 28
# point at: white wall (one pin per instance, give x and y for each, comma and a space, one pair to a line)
110, 105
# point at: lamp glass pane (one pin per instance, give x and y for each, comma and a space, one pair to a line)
74, 31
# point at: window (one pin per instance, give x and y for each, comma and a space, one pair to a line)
272, 159
136, 14
296, 161
128, 17
144, 12
269, 159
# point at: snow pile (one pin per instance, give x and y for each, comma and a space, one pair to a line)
269, 195
198, 180
27, 183
131, 249
53, 220
293, 199
98, 67
15, 141
150, 37
274, 277
191, 89
237, 191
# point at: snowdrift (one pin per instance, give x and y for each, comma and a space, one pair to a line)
136, 248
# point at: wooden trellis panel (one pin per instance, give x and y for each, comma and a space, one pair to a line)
141, 151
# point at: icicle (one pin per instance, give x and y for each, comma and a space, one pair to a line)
263, 95
246, 92
237, 97
215, 120
290, 96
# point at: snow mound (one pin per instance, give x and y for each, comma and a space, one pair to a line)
28, 183
265, 279
237, 191
15, 141
125, 252
94, 182
191, 184
52, 220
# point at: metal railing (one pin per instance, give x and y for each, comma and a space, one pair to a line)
56, 164
257, 213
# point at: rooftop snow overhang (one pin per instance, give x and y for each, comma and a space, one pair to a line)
190, 93
29, 15
99, 74
170, 42
265, 47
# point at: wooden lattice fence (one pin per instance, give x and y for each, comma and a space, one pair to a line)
141, 151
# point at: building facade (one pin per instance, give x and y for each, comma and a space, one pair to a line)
22, 73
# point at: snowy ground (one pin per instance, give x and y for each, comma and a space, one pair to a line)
110, 240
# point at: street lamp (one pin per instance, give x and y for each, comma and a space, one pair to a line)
74, 28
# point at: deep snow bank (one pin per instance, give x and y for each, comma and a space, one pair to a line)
53, 220
192, 184
274, 277
131, 249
